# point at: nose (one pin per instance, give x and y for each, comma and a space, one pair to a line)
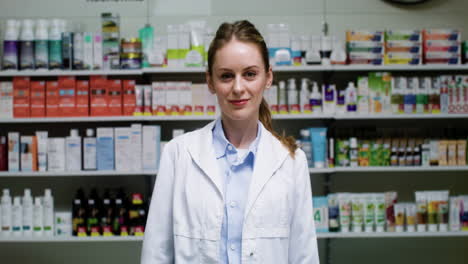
238, 87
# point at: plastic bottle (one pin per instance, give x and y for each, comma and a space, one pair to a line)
6, 213
89, 150
137, 215
353, 152
338, 55
67, 46
306, 145
296, 50
329, 94
283, 102
17, 217
79, 214
27, 45
41, 47
11, 46
94, 214
120, 222
340, 102
146, 35
351, 98
325, 49
304, 97
107, 215
48, 204
293, 98
55, 45
27, 212
316, 100
73, 151
38, 218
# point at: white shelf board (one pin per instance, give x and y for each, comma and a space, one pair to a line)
426, 67
69, 239
301, 116
389, 169
402, 116
321, 170
33, 73
393, 235
75, 173
174, 70
107, 119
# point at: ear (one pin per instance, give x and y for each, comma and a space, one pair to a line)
269, 78
209, 82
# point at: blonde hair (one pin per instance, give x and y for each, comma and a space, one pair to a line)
246, 32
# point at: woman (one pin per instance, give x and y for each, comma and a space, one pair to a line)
233, 191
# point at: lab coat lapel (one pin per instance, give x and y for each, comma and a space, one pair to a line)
269, 158
202, 153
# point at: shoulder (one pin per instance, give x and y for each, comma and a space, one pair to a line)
190, 140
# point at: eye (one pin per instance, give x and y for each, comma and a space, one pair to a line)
250, 74
226, 76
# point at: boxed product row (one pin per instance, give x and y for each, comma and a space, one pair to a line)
134, 148
342, 151
99, 96
114, 214
433, 211
27, 215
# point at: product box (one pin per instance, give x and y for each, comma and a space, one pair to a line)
365, 58
88, 51
63, 224
402, 58
105, 148
97, 52
320, 205
67, 96
129, 99
403, 46
21, 97
82, 98
210, 101
13, 151
78, 51
159, 98
52, 99
183, 45
364, 35
3, 153
198, 99
363, 95
380, 93
147, 100
172, 46
114, 97
110, 40
365, 46
38, 99
98, 96
403, 35
136, 141
442, 46
6, 100
28, 153
56, 154
442, 34
172, 98
151, 147
123, 155
185, 98
442, 58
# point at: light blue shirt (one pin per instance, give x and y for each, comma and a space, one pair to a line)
237, 173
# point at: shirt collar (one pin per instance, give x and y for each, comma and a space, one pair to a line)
221, 144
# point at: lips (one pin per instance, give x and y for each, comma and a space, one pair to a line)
239, 102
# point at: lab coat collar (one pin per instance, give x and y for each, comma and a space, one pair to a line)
269, 158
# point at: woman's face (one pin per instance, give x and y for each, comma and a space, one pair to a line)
238, 79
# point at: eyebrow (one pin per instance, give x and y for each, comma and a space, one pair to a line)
246, 68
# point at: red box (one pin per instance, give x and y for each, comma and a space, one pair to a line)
129, 99
38, 99
114, 97
67, 98
21, 97
98, 96
52, 99
82, 98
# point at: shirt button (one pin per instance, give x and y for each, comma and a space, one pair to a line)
229, 147
233, 204
233, 247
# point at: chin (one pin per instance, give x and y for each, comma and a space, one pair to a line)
239, 115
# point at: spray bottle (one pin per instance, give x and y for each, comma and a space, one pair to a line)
48, 205
340, 102
55, 45
38, 218
293, 100
27, 45
17, 218
316, 100
41, 56
27, 212
351, 99
10, 46
283, 102
304, 97
6, 213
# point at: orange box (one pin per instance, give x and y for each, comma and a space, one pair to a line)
129, 99
82, 98
98, 96
114, 97
38, 98
52, 99
67, 98
21, 97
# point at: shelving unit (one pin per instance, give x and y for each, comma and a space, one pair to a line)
77, 173
390, 169
393, 235
70, 239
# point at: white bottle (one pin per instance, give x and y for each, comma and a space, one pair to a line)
55, 45
41, 49
6, 213
73, 151
283, 102
304, 97
340, 100
328, 95
11, 46
17, 218
338, 55
38, 218
27, 45
351, 99
306, 144
48, 204
316, 100
293, 100
27, 213
89, 150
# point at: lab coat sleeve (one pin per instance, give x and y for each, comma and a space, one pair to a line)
158, 243
303, 240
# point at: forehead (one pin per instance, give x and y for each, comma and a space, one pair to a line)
235, 54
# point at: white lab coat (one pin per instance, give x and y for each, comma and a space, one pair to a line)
186, 211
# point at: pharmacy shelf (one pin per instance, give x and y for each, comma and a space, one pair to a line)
76, 173
398, 117
393, 235
69, 239
389, 169
69, 73
455, 67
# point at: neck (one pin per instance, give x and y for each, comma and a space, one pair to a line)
241, 133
